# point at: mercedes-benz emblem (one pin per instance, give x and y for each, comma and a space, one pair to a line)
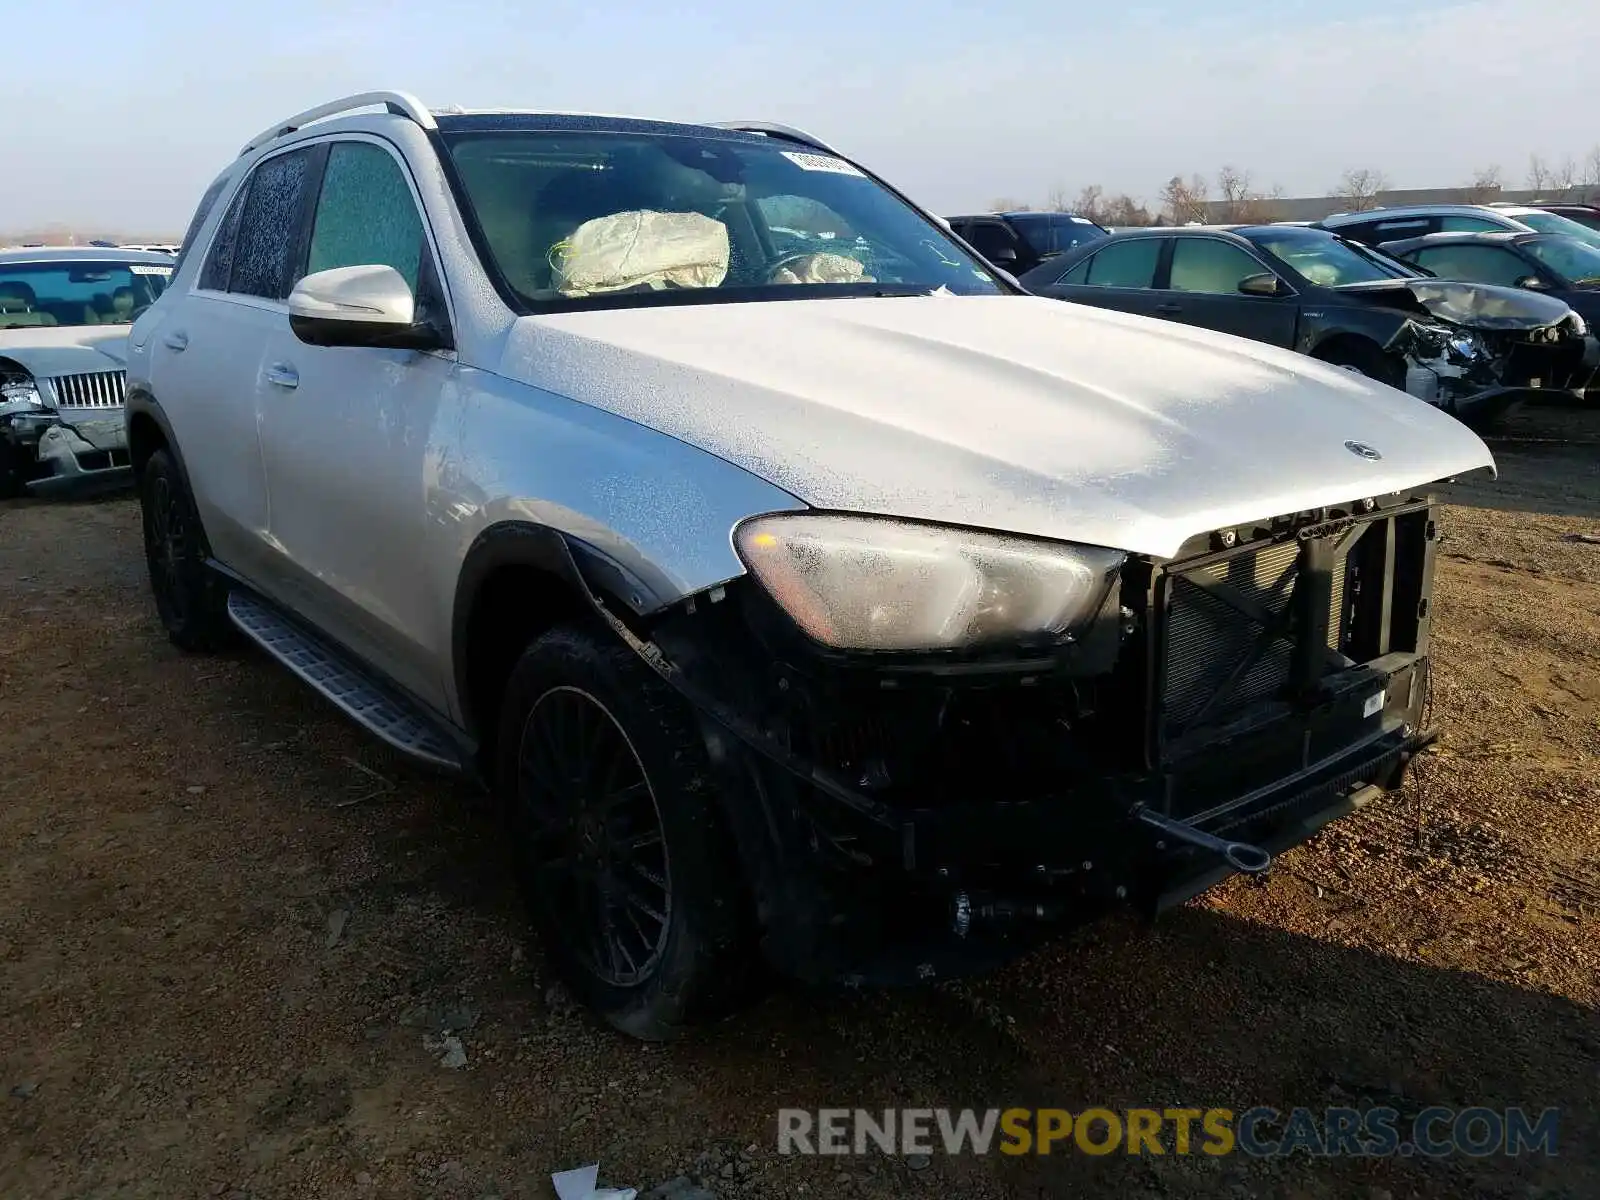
1362, 450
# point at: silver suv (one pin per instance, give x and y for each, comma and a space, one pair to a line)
820, 593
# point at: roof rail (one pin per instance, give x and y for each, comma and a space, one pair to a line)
402, 104
787, 133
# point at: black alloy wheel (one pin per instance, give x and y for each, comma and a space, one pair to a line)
596, 848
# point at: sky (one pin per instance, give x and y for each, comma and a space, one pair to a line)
137, 106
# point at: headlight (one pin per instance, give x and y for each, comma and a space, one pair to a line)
1580, 327
869, 583
19, 395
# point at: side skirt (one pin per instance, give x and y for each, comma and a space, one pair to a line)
349, 686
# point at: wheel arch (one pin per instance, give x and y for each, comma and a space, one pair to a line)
149, 430
518, 579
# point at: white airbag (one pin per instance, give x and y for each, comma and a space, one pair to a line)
642, 249
822, 268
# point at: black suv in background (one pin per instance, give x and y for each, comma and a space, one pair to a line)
1020, 241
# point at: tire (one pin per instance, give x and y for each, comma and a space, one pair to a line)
1367, 359
190, 599
617, 842
12, 471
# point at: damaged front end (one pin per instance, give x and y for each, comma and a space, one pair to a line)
915, 813
1474, 349
47, 446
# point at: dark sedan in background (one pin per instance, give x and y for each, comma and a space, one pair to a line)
1551, 264
1472, 349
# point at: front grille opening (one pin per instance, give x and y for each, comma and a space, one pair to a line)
95, 389
1268, 621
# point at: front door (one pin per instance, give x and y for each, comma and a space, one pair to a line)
1203, 289
345, 433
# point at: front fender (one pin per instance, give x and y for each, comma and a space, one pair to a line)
1321, 323
649, 517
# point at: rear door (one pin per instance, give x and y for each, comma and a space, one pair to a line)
1202, 288
1120, 275
206, 357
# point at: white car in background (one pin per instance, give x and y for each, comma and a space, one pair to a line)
64, 318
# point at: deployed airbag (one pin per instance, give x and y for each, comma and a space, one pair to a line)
821, 268
642, 249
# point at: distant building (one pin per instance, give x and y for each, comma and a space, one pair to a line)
1314, 208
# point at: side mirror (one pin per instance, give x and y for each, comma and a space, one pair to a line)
1264, 284
1531, 281
1005, 256
359, 306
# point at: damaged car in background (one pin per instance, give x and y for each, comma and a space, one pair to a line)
852, 610
64, 318
1471, 349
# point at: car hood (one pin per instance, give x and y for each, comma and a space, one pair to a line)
1007, 412
1474, 305
66, 350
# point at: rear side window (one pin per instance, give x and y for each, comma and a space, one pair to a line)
1474, 264
202, 211
989, 238
1049, 234
1393, 231
366, 214
264, 246
1454, 224
1129, 264
219, 263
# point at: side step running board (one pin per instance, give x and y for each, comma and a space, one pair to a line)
390, 718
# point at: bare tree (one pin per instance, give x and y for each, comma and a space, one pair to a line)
1183, 200
1090, 202
1589, 180
1564, 178
1485, 185
1009, 204
1125, 210
1361, 187
1538, 173
1241, 203
1058, 199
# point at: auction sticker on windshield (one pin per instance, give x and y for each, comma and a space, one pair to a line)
821, 162
149, 269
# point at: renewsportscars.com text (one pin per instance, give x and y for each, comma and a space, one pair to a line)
1259, 1132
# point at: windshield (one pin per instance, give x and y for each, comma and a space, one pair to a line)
1326, 260
1053, 233
572, 219
78, 293
1549, 222
1574, 261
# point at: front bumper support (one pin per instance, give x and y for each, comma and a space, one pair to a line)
70, 455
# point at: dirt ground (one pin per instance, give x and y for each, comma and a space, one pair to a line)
232, 926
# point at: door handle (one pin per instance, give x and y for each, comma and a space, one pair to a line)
1169, 309
282, 375
176, 341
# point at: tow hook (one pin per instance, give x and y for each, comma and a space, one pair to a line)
1241, 856
967, 910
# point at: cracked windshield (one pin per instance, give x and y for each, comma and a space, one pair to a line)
574, 217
